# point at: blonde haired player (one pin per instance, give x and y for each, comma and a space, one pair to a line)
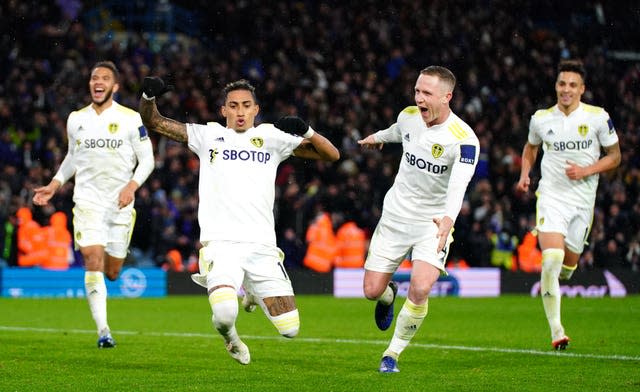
572, 135
110, 155
439, 156
238, 164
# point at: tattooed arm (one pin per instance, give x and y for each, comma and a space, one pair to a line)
154, 121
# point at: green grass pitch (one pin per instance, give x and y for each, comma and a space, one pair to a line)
465, 344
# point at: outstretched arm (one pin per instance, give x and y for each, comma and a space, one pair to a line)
153, 87
154, 121
370, 143
378, 139
67, 169
317, 147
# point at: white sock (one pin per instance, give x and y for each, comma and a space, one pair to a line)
224, 308
409, 321
387, 296
96, 291
288, 324
550, 289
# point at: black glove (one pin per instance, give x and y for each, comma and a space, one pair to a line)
292, 124
153, 86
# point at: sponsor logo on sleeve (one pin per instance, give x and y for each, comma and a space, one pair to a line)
468, 154
611, 127
143, 132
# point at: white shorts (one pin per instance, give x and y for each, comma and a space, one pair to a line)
256, 267
393, 241
573, 223
111, 229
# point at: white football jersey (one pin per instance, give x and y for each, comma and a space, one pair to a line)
237, 180
436, 166
104, 150
576, 138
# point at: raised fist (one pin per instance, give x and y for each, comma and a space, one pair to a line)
292, 124
153, 86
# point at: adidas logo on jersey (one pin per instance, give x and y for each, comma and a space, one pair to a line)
550, 132
406, 137
219, 139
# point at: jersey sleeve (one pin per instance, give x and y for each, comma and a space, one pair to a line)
534, 136
393, 134
144, 152
67, 168
389, 135
286, 143
464, 167
195, 134
606, 131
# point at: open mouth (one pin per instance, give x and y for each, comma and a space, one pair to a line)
98, 92
565, 98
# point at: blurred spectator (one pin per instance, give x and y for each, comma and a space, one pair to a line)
9, 241
529, 255
293, 249
173, 261
164, 16
32, 241
586, 260
59, 255
609, 254
503, 254
321, 243
351, 243
480, 245
633, 254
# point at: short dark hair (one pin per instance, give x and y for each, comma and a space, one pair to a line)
441, 72
109, 65
241, 84
572, 66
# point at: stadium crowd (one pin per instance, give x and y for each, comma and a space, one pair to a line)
348, 74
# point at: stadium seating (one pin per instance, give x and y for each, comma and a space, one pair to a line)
347, 73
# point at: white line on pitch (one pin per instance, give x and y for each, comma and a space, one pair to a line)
343, 341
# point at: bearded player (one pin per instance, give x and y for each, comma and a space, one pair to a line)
110, 154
